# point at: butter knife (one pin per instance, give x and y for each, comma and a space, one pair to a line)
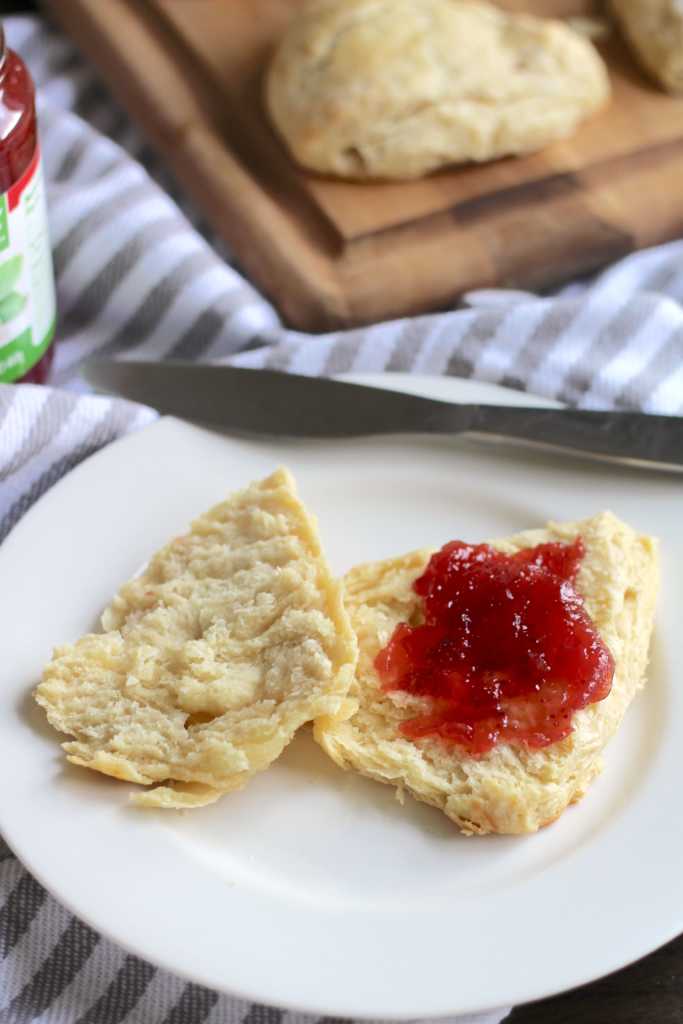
265, 402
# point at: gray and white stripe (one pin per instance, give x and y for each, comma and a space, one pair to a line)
141, 275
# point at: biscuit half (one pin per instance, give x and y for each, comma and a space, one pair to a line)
511, 789
233, 637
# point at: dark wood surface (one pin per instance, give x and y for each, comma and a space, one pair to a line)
649, 992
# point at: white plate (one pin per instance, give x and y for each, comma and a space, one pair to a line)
313, 888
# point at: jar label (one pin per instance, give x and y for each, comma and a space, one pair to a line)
27, 290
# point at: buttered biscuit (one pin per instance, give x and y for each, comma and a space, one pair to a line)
397, 88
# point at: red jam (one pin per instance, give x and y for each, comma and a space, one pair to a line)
507, 651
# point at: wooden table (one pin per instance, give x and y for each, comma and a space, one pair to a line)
649, 992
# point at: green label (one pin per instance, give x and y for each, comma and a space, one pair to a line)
13, 357
27, 287
21, 355
4, 224
10, 272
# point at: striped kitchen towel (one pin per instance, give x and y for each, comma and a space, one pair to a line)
139, 273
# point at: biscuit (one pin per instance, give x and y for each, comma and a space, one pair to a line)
233, 637
397, 88
654, 28
512, 788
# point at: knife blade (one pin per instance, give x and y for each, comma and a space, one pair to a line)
267, 402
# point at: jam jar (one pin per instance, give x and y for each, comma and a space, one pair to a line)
27, 289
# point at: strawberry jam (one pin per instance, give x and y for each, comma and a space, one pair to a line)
506, 652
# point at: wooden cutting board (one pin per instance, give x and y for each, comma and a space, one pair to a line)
332, 254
